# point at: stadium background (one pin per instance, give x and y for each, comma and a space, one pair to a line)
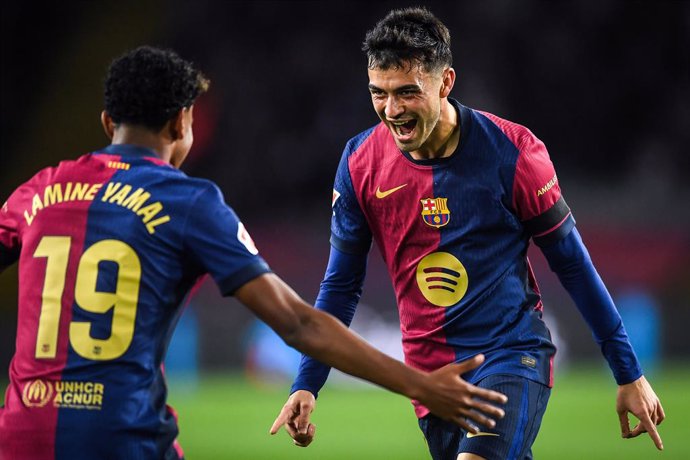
605, 84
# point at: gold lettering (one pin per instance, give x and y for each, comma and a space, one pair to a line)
77, 398
91, 194
150, 211
79, 191
36, 205
52, 194
88, 387
110, 189
68, 190
67, 398
58, 398
151, 226
98, 388
28, 218
137, 199
97, 400
121, 195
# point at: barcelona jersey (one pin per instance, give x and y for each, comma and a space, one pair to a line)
108, 246
454, 234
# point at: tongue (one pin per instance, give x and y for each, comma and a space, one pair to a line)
408, 127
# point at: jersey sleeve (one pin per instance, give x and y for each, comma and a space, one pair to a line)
350, 232
537, 194
10, 241
339, 295
220, 243
571, 262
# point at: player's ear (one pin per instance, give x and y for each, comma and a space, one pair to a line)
178, 124
448, 80
108, 124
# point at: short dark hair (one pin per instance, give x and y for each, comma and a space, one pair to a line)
408, 36
147, 86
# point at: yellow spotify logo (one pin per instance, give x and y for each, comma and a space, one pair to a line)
442, 279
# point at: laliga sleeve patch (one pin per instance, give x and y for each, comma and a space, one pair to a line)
245, 239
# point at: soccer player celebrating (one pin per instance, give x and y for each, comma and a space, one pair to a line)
109, 244
452, 197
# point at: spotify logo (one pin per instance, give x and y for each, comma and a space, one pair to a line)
442, 279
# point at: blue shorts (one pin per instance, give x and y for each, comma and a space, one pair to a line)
513, 435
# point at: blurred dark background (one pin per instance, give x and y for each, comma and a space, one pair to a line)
605, 84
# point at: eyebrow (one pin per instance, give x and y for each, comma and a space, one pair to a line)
401, 88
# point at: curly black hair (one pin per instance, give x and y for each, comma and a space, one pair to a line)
147, 86
407, 37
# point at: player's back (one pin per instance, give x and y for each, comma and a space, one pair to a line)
103, 267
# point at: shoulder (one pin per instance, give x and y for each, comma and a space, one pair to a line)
518, 135
370, 149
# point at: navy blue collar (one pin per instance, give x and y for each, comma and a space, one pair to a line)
128, 150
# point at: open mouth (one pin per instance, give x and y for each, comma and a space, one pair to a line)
404, 128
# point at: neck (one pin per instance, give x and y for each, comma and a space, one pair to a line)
143, 137
445, 138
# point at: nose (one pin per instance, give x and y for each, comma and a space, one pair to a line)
393, 108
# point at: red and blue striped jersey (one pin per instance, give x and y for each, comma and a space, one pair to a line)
108, 246
454, 234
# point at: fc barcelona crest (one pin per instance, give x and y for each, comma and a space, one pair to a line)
435, 211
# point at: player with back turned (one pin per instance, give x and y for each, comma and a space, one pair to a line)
109, 244
452, 196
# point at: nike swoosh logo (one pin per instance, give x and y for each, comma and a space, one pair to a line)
481, 433
380, 194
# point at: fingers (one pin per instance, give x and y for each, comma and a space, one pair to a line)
304, 439
280, 420
625, 424
302, 420
660, 414
489, 395
489, 410
646, 425
470, 364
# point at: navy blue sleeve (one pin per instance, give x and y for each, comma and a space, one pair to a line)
349, 228
220, 243
339, 295
569, 259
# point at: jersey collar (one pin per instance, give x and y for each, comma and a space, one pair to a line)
465, 121
128, 150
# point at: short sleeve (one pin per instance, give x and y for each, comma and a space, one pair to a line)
350, 231
537, 194
220, 243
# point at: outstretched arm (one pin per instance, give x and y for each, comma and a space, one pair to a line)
569, 259
328, 340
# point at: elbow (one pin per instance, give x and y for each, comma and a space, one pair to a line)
295, 335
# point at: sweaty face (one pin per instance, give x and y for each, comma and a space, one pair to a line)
408, 101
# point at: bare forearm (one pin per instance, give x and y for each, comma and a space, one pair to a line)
326, 339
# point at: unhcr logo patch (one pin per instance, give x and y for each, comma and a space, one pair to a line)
71, 394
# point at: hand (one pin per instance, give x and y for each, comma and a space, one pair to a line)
295, 416
453, 399
639, 399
